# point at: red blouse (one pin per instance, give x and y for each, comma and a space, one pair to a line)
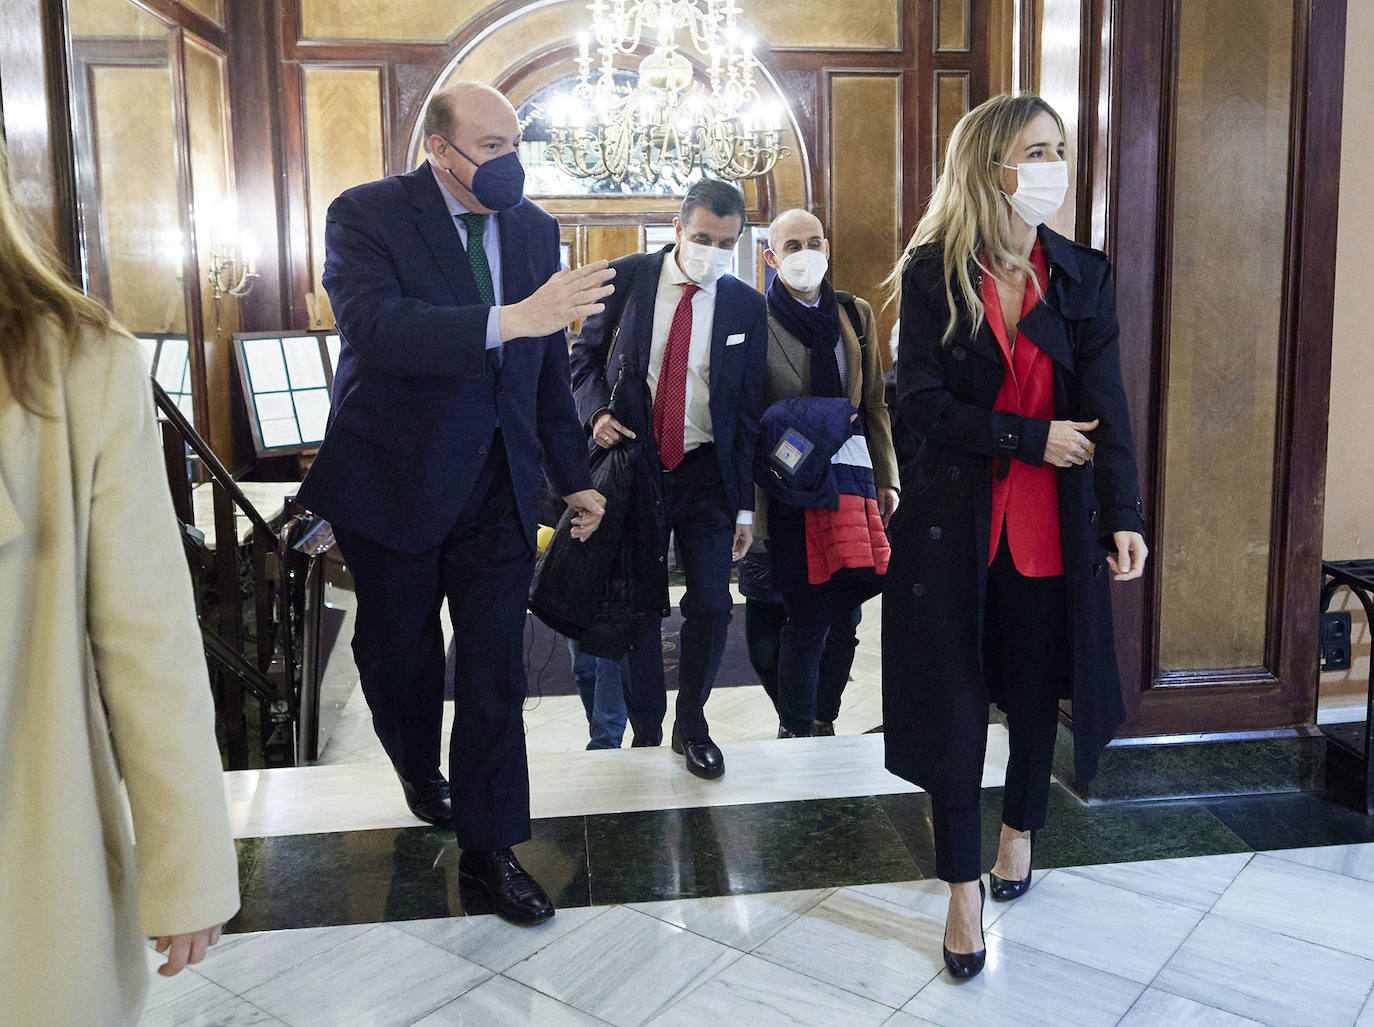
1026, 501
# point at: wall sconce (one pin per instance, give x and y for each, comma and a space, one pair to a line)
231, 262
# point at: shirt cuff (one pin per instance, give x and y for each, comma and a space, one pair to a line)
745, 517
494, 328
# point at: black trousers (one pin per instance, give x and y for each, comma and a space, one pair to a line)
700, 516
1025, 663
483, 566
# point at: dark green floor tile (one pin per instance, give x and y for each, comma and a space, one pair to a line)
1292, 821
1077, 834
732, 850
358, 877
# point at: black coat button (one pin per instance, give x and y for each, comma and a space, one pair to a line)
959, 352
952, 472
481, 450
918, 590
935, 532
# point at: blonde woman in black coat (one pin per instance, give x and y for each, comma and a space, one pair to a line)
1021, 493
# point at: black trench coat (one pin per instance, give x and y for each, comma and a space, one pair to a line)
950, 441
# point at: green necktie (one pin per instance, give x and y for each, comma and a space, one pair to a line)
476, 225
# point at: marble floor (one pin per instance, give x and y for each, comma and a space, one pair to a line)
797, 890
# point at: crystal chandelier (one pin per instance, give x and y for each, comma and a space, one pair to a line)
665, 123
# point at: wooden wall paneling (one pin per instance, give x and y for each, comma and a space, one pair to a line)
33, 56
211, 9
951, 102
1230, 146
385, 20
865, 186
344, 128
1305, 371
1282, 693
953, 26
195, 305
131, 193
176, 12
607, 242
255, 88
218, 224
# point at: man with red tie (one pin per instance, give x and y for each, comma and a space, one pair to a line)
697, 336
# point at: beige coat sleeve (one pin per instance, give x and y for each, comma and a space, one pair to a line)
150, 667
880, 448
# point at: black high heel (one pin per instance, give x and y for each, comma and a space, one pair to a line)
963, 965
1003, 890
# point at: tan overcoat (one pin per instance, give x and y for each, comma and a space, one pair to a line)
101, 670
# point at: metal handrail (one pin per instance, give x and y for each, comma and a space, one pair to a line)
208, 459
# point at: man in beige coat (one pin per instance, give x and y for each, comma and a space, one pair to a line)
101, 672
820, 343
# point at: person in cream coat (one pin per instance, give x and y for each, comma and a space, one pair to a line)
113, 824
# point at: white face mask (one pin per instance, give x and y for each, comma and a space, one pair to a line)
704, 264
1040, 190
804, 270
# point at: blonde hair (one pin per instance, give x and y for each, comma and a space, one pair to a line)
968, 216
34, 300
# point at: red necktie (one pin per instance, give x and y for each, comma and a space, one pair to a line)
670, 400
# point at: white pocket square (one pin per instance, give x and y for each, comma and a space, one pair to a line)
734, 340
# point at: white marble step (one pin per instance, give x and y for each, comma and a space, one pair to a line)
366, 796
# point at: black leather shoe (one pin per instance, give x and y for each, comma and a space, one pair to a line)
963, 965
496, 881
647, 740
430, 801
784, 733
823, 729
1003, 890
704, 758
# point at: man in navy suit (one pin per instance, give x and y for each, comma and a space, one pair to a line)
699, 338
451, 400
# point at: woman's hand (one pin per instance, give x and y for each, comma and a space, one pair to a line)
1066, 445
1129, 562
184, 949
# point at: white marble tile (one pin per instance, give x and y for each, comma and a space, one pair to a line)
501, 1002
203, 1004
862, 944
901, 1019
624, 967
1266, 976
491, 941
740, 921
1193, 881
1155, 1007
761, 994
1367, 1014
243, 961
1303, 902
1350, 860
380, 978
168, 989
929, 898
1098, 925
1022, 985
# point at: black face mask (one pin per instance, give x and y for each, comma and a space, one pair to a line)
499, 184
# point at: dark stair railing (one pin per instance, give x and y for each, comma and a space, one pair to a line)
282, 671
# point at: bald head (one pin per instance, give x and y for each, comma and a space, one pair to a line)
464, 101
795, 221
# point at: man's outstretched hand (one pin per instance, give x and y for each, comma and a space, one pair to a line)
565, 297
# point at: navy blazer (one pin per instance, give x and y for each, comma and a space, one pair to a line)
415, 404
737, 371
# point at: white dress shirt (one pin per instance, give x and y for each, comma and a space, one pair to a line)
697, 423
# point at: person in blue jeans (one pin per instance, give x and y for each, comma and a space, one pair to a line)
603, 697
